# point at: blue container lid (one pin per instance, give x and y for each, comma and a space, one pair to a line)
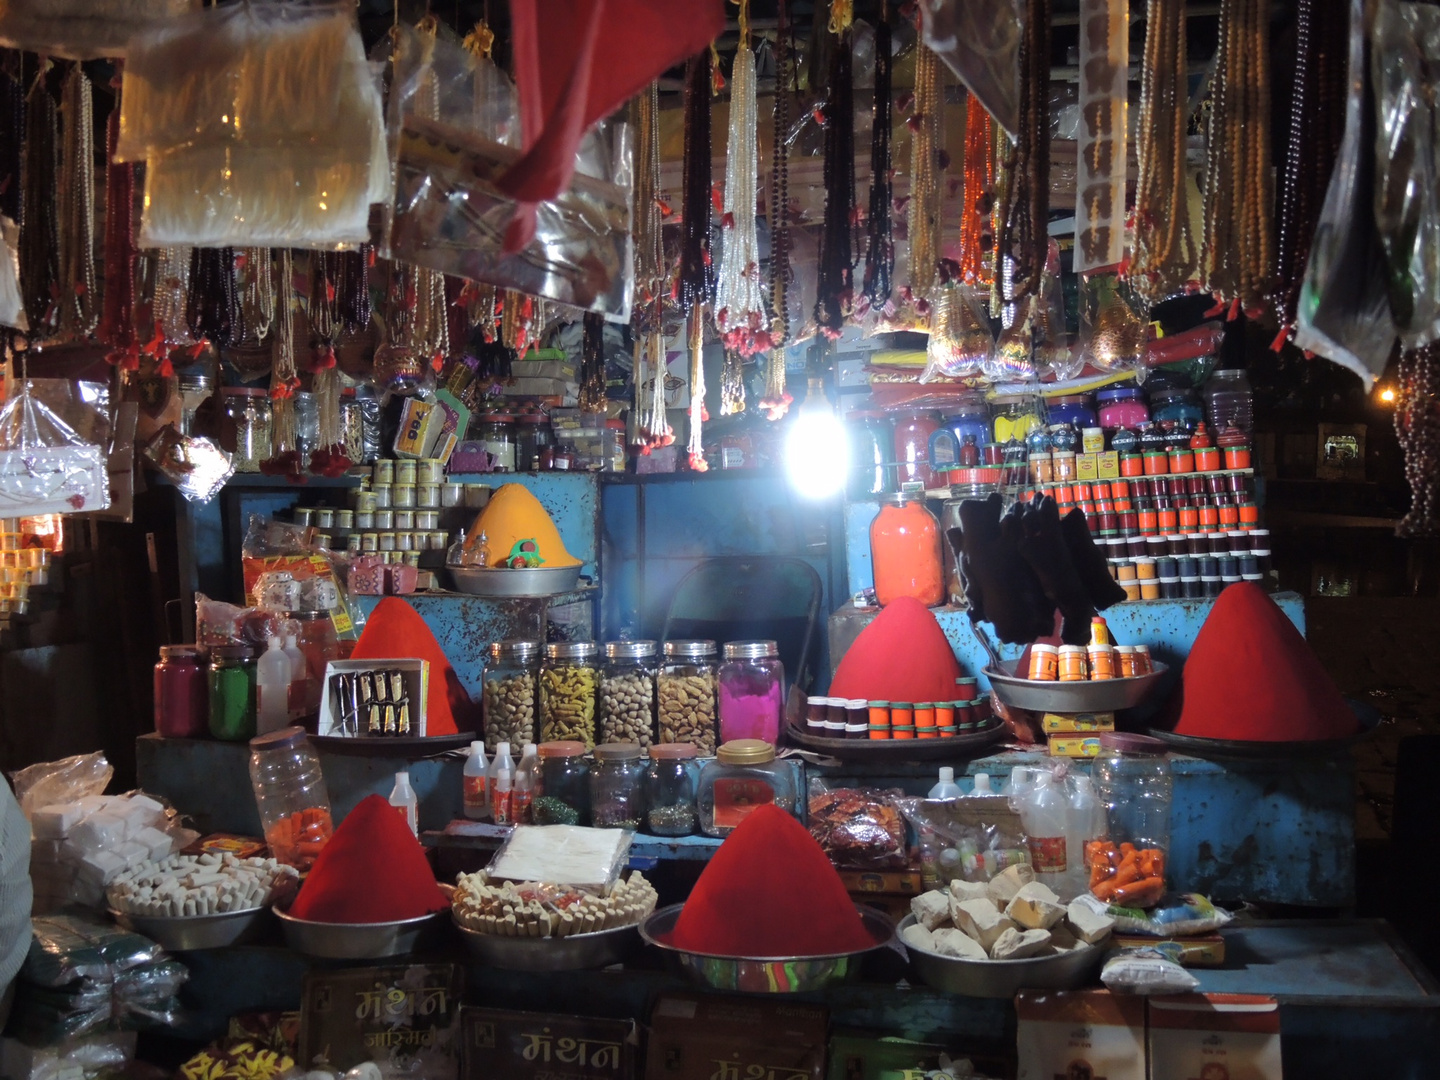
1119, 393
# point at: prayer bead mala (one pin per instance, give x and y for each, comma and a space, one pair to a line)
926, 207
1417, 423
78, 297
879, 231
978, 195
39, 239
1021, 235
835, 283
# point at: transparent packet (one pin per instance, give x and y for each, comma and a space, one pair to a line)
858, 827
574, 856
983, 832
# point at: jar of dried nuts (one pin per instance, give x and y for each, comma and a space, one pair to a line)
569, 692
685, 692
617, 793
627, 693
508, 693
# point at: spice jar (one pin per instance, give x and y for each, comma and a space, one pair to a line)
497, 432
246, 428
181, 707
564, 794
508, 690
533, 439
291, 796
686, 693
752, 691
627, 693
617, 786
905, 551
232, 693
670, 783
743, 776
569, 684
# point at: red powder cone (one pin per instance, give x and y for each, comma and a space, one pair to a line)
396, 631
1251, 676
770, 892
901, 656
372, 870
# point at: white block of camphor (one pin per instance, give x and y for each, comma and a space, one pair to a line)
981, 920
1019, 944
1035, 907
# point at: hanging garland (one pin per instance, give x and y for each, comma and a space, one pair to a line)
117, 323
592, 363
926, 206
284, 381
977, 238
739, 297
1021, 236
1417, 423
879, 231
835, 287
776, 401
212, 308
39, 236
78, 297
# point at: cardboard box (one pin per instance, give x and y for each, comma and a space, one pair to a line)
1206, 950
1087, 467
1214, 1037
1081, 1033
417, 687
1074, 746
732, 1038
498, 1044
402, 1017
854, 1056
1065, 723
1107, 465
419, 428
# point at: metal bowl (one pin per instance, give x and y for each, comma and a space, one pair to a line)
498, 581
363, 941
1002, 978
188, 933
765, 975
1098, 695
575, 953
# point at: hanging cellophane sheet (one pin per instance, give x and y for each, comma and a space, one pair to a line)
1100, 186
12, 304
979, 40
52, 448
260, 124
448, 214
83, 29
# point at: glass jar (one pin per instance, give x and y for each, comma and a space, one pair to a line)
497, 431
912, 447
1122, 407
232, 693
686, 695
181, 707
306, 408
614, 443
627, 693
508, 689
1229, 400
744, 775
569, 692
320, 645
1077, 410
1133, 785
872, 448
905, 551
752, 692
246, 429
617, 786
670, 782
533, 439
1177, 407
563, 797
1016, 415
291, 796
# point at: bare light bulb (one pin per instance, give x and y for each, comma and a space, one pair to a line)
817, 451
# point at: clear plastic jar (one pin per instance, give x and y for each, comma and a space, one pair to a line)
752, 692
1016, 414
617, 786
246, 430
670, 783
569, 692
905, 551
497, 432
627, 693
291, 796
563, 797
686, 695
872, 449
181, 704
533, 440
912, 447
1229, 400
508, 693
1176, 406
1122, 407
317, 641
232, 693
743, 776
1133, 784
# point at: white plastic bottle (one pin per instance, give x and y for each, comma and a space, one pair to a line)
1022, 779
1085, 821
477, 783
526, 783
272, 686
299, 676
1043, 813
946, 788
502, 777
982, 785
404, 799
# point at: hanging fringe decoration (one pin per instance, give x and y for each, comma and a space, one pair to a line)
117, 323
739, 298
977, 237
1417, 423
592, 363
39, 237
879, 231
732, 384
927, 161
78, 297
776, 401
835, 284
1022, 237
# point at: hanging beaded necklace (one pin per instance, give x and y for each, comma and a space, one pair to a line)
776, 401
696, 281
926, 206
117, 324
1021, 234
78, 297
352, 283
1417, 423
978, 199
283, 378
834, 286
650, 272
256, 291
592, 363
171, 296
39, 239
879, 231
212, 308
739, 292
12, 143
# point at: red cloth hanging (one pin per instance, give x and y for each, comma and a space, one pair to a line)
902, 656
564, 90
396, 631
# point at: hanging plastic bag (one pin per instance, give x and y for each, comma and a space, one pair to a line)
193, 463
83, 29
12, 306
979, 40
1055, 356
46, 466
1114, 336
68, 780
961, 342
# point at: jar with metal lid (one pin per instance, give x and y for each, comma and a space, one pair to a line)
563, 797
686, 695
291, 796
905, 551
181, 705
508, 692
752, 691
743, 776
617, 786
232, 693
497, 431
533, 437
1176, 407
569, 692
670, 783
627, 693
246, 428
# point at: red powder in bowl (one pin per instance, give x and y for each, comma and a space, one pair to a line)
901, 656
770, 892
373, 870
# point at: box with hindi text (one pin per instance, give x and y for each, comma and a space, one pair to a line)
499, 1044
695, 1037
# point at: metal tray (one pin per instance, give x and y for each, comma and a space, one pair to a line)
971, 744
190, 933
498, 581
1100, 695
1002, 978
575, 953
363, 941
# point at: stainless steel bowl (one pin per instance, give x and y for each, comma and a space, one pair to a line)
1100, 695
363, 941
188, 933
496, 581
765, 975
575, 953
1002, 978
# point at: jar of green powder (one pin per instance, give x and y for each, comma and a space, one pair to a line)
232, 693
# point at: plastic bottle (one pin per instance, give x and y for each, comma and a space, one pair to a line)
982, 785
476, 783
272, 685
404, 799
929, 857
502, 776
1021, 781
1085, 821
1043, 813
946, 788
527, 782
299, 675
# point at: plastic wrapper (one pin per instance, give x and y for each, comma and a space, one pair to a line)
1014, 357
1055, 357
446, 106
71, 948
974, 837
52, 449
1176, 915
1146, 971
858, 827
961, 342
1124, 875
270, 547
219, 623
67, 780
1114, 337
83, 29
572, 855
979, 40
73, 1059
195, 464
12, 306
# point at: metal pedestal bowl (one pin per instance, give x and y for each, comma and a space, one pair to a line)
764, 975
189, 933
1002, 978
363, 941
1089, 696
499, 581
574, 953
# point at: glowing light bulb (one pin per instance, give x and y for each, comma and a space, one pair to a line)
817, 452
1387, 396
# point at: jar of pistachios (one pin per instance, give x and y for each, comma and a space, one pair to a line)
509, 691
685, 693
627, 693
569, 692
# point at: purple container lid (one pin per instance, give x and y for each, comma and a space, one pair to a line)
1127, 743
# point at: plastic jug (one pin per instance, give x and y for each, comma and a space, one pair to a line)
946, 788
476, 783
